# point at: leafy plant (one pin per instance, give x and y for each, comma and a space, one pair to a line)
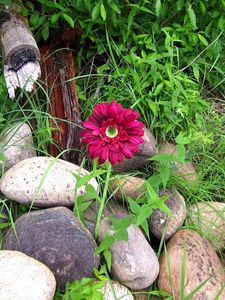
84, 289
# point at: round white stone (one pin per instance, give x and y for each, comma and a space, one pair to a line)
24, 278
112, 289
44, 182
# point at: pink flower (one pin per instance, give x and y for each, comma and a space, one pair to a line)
112, 132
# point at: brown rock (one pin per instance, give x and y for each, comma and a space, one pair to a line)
208, 218
127, 186
159, 219
202, 263
147, 149
185, 170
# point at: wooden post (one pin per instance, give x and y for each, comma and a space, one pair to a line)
20, 53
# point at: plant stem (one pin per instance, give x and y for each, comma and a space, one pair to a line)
102, 204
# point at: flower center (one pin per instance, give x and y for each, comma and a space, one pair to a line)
111, 132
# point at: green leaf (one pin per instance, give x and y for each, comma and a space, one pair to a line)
164, 172
45, 32
195, 69
105, 244
55, 18
68, 19
145, 227
154, 107
180, 4
108, 257
158, 89
103, 11
158, 8
202, 39
96, 11
192, 17
181, 139
144, 213
134, 207
163, 157
34, 19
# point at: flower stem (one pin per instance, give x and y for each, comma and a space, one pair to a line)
102, 204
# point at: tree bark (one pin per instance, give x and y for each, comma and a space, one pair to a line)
58, 72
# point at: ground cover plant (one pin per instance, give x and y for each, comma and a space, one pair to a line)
163, 59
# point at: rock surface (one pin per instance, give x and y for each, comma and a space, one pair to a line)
43, 181
56, 238
127, 186
134, 263
208, 218
185, 170
147, 149
112, 289
17, 144
159, 219
24, 278
202, 263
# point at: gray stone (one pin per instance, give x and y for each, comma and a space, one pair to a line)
43, 182
127, 186
208, 218
185, 170
201, 264
147, 149
159, 220
113, 288
24, 278
56, 238
17, 144
134, 263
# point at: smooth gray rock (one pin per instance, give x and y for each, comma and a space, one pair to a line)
24, 278
56, 238
17, 144
147, 149
158, 220
201, 264
43, 182
134, 263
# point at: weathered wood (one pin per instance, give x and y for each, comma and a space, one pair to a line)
20, 53
58, 72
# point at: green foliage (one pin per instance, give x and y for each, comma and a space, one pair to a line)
153, 53
84, 289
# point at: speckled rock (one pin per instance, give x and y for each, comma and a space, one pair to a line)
112, 289
202, 263
17, 144
24, 278
185, 170
43, 182
147, 149
208, 218
159, 219
134, 263
127, 186
56, 238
